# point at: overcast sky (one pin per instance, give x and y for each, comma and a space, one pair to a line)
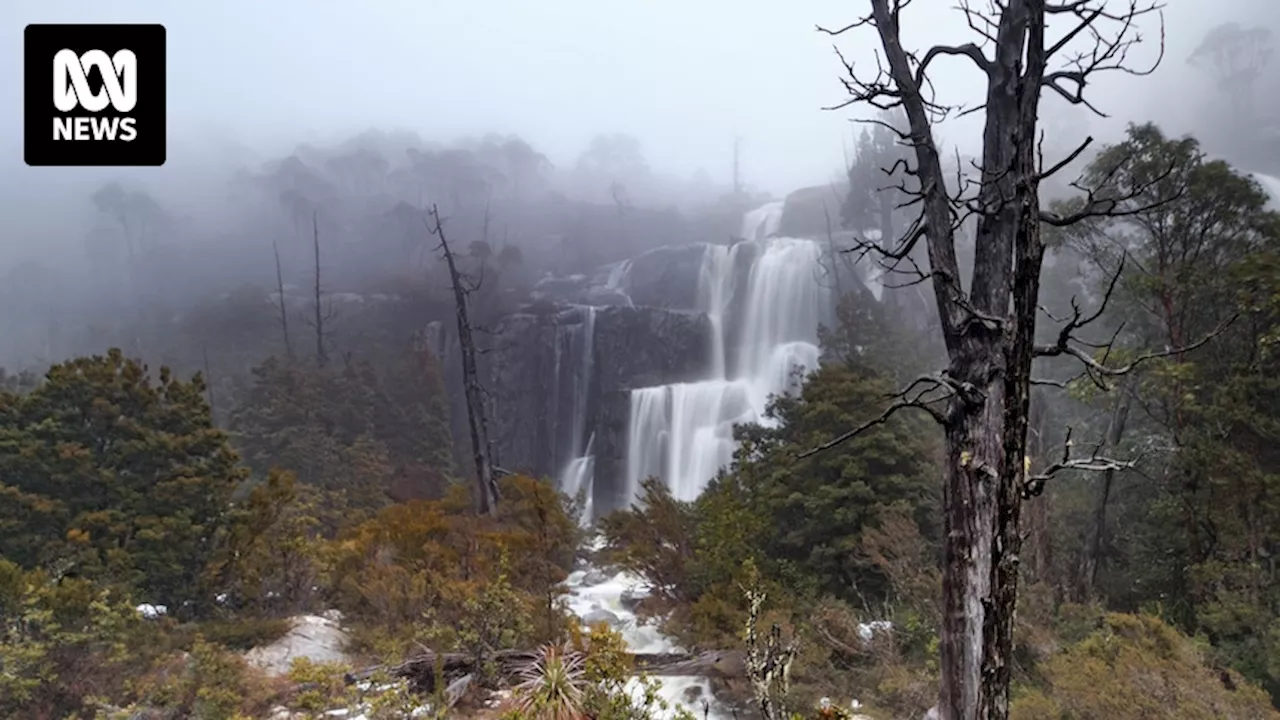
683, 76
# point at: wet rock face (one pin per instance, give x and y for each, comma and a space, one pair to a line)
546, 387
807, 209
666, 277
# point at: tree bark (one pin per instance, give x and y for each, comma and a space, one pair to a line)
989, 336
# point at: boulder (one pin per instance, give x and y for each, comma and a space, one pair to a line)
805, 212
665, 277
632, 597
600, 615
318, 638
595, 577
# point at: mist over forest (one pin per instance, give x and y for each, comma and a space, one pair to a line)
204, 221
528, 354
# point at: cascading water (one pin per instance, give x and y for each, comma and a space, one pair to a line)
1272, 185
578, 473
683, 432
764, 336
763, 222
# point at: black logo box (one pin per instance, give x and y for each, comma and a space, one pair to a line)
41, 43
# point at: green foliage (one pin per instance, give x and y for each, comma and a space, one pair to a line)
1198, 248
209, 683
323, 683
804, 521
1136, 666
358, 438
271, 559
467, 582
119, 477
589, 677
60, 640
552, 686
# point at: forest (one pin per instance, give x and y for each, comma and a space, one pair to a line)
334, 414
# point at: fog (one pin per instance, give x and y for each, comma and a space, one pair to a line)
249, 82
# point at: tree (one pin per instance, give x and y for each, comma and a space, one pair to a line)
115, 476
319, 316
875, 170
140, 217
321, 424
982, 398
1166, 265
486, 489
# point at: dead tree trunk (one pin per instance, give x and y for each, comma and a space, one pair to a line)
322, 357
982, 398
486, 484
284, 315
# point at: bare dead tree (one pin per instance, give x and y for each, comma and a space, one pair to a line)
487, 494
320, 316
284, 314
982, 398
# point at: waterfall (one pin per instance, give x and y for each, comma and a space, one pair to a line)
763, 222
764, 336
578, 472
579, 475
1271, 184
683, 432
616, 281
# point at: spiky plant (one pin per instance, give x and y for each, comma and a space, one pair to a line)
553, 685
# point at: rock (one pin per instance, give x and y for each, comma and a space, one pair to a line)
595, 577
803, 215
632, 597
311, 636
666, 277
541, 375
600, 615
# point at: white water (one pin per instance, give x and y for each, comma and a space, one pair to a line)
682, 433
578, 472
762, 334
588, 599
1272, 185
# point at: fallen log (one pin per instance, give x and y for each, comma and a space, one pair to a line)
506, 664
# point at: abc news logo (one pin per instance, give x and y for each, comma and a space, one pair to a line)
108, 101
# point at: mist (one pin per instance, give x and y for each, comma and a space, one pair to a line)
674, 84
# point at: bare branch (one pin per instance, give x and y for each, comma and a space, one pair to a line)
914, 395
1095, 462
1101, 368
